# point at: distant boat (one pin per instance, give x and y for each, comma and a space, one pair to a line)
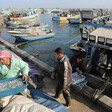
24, 31
13, 23
63, 16
26, 37
23, 15
26, 26
75, 20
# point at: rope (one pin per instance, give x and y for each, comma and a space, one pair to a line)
50, 51
23, 43
45, 52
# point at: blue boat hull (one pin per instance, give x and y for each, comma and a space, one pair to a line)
56, 18
73, 21
46, 100
34, 38
16, 27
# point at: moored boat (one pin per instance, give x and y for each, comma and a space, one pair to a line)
26, 37
63, 16
78, 46
23, 15
26, 31
26, 26
77, 19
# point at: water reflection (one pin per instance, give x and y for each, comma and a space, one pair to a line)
45, 47
32, 43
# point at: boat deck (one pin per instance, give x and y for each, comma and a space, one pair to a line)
103, 32
79, 103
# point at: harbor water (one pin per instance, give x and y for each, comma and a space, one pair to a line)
65, 35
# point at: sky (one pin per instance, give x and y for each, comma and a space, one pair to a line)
55, 3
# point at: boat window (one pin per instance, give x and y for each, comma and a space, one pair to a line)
101, 40
84, 36
92, 38
109, 42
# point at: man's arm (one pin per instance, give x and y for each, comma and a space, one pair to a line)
54, 73
65, 75
25, 69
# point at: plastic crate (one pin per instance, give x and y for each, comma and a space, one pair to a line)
14, 90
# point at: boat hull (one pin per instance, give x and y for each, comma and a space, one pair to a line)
59, 18
74, 21
64, 18
22, 18
78, 47
26, 38
26, 27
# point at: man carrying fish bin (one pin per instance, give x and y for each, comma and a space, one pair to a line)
63, 72
11, 67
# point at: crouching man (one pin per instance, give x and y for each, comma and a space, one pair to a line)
12, 67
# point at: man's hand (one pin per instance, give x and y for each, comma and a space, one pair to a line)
67, 92
96, 68
53, 75
80, 72
24, 77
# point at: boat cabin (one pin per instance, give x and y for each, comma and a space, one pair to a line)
60, 13
100, 36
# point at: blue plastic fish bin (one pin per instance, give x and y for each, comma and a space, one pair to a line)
14, 90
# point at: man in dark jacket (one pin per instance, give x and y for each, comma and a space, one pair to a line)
77, 62
64, 76
95, 60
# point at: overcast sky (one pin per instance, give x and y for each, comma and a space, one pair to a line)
55, 3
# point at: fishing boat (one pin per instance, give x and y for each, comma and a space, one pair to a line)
63, 16
78, 46
102, 20
16, 22
37, 26
26, 37
26, 26
21, 15
76, 20
98, 37
26, 31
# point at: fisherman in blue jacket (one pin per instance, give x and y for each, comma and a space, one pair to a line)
95, 60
